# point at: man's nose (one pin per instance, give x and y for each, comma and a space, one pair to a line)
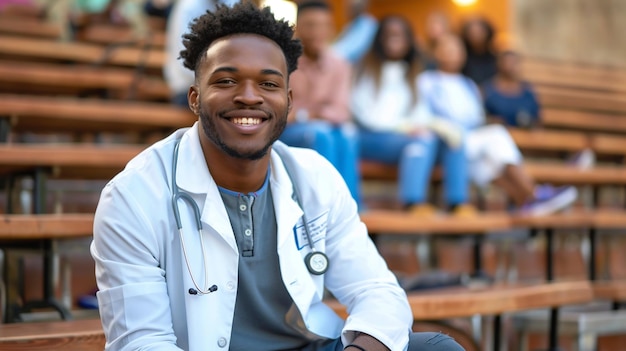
248, 94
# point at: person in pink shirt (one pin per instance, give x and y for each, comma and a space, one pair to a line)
320, 117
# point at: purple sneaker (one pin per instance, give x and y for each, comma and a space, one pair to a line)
549, 199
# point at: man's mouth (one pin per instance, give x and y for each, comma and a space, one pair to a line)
246, 121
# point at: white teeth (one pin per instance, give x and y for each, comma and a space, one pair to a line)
246, 121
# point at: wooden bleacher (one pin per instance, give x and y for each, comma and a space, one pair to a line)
58, 114
75, 79
67, 113
51, 50
70, 161
109, 34
29, 27
78, 335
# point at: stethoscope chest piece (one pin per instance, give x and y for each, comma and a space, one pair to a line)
316, 262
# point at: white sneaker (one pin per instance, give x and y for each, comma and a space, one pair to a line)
549, 199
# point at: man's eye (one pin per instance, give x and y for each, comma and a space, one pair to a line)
226, 81
269, 85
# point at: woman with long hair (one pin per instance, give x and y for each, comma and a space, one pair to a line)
386, 105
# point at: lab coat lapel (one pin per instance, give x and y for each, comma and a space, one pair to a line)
296, 277
193, 176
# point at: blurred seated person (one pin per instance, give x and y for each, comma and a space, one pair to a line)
158, 8
357, 36
491, 152
391, 114
437, 25
73, 15
179, 78
508, 99
480, 62
320, 115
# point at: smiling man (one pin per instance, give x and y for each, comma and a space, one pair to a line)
220, 237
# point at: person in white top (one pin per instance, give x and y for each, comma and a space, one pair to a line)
491, 152
221, 238
179, 78
394, 121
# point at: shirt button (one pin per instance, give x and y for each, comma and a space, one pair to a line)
242, 207
248, 232
230, 286
221, 342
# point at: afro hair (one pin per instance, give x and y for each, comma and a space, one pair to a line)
243, 17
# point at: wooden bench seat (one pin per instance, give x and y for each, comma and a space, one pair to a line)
549, 140
569, 118
563, 174
53, 78
575, 76
87, 335
72, 161
50, 50
582, 100
396, 222
609, 144
76, 335
45, 226
107, 34
50, 114
568, 220
556, 173
29, 27
490, 300
613, 290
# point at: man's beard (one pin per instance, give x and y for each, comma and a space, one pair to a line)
208, 126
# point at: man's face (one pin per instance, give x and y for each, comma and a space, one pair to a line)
314, 29
242, 95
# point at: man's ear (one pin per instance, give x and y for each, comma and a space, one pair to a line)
289, 101
193, 98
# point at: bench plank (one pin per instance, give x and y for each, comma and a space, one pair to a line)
583, 120
109, 34
396, 222
577, 76
76, 335
40, 113
609, 144
614, 290
45, 226
609, 219
549, 140
431, 305
68, 161
563, 174
583, 100
466, 302
557, 173
29, 26
568, 220
77, 77
79, 52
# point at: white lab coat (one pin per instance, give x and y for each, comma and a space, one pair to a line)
143, 280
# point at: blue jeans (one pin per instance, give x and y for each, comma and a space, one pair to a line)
426, 341
338, 144
416, 157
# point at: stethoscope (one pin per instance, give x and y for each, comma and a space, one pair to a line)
316, 261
